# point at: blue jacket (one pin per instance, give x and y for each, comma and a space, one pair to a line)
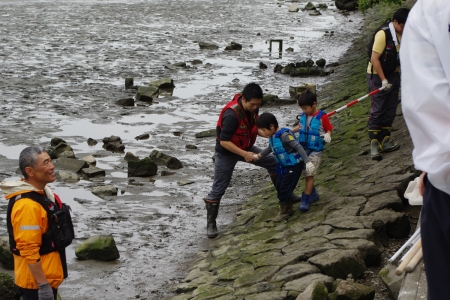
310, 139
283, 158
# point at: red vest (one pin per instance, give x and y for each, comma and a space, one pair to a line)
245, 136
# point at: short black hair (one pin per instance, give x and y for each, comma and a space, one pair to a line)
307, 97
265, 120
252, 91
401, 15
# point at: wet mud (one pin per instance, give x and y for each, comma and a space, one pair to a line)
63, 66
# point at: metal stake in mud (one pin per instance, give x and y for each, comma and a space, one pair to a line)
280, 46
356, 101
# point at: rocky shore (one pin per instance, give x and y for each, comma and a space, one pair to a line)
336, 249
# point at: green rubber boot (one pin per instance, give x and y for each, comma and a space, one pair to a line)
375, 146
386, 145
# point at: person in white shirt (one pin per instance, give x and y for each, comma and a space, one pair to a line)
425, 59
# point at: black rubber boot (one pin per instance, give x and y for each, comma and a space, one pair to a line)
212, 210
386, 145
375, 146
293, 198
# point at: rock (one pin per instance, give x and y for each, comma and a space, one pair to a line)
191, 147
352, 291
384, 200
91, 142
315, 291
163, 83
93, 172
125, 102
104, 190
129, 83
56, 141
113, 144
69, 164
166, 160
338, 263
348, 5
143, 136
391, 280
130, 157
8, 289
310, 6
295, 91
142, 168
90, 159
299, 285
185, 182
292, 272
6, 257
147, 93
196, 62
322, 5
67, 176
293, 8
210, 46
321, 62
315, 13
98, 247
290, 49
269, 99
268, 296
55, 150
234, 46
262, 65
67, 154
166, 173
206, 133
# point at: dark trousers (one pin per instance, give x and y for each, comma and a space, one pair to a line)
224, 167
435, 234
28, 294
287, 181
384, 103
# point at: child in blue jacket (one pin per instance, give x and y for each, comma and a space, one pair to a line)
290, 157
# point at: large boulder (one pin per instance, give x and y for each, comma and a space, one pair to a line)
98, 247
147, 93
338, 263
8, 289
142, 168
163, 83
210, 46
166, 160
346, 4
350, 290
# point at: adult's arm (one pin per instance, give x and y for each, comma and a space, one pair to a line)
247, 155
378, 47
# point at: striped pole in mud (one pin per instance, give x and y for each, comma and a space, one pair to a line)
355, 101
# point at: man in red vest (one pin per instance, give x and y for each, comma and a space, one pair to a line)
236, 135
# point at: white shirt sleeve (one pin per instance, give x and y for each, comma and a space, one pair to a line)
425, 61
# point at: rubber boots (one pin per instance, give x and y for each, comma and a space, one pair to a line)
212, 210
387, 146
375, 146
284, 212
304, 205
314, 195
293, 198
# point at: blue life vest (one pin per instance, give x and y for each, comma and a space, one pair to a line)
283, 158
310, 138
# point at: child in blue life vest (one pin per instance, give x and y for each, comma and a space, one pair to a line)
290, 157
314, 130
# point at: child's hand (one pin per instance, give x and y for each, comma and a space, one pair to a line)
309, 167
327, 137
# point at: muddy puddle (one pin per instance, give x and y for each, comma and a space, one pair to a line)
63, 66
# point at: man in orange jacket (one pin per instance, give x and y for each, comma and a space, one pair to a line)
39, 269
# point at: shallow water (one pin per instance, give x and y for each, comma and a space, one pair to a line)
63, 66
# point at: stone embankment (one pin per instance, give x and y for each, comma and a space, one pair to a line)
319, 254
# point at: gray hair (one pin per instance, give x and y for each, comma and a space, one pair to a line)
28, 158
